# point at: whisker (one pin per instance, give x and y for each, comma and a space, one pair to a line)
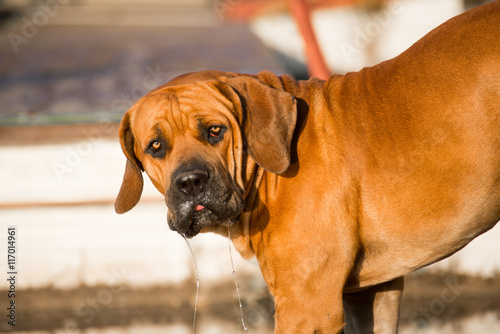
197, 282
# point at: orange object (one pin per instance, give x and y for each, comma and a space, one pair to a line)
316, 64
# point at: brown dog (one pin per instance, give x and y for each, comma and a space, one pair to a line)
339, 188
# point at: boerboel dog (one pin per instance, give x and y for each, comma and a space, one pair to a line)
338, 187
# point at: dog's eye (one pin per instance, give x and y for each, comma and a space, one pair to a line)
215, 134
215, 131
156, 149
156, 146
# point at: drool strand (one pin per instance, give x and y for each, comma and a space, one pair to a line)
197, 282
235, 280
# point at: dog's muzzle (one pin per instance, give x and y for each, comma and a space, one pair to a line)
199, 196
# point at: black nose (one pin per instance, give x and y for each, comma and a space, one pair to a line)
191, 182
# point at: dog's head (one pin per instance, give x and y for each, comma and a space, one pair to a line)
192, 137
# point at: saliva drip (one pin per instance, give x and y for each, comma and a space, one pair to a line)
235, 280
197, 282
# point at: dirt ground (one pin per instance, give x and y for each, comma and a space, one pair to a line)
436, 297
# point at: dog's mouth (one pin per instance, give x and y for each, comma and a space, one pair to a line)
190, 217
199, 218
200, 196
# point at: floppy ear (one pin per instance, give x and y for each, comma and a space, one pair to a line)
132, 184
268, 122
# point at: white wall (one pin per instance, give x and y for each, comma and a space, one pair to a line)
65, 246
351, 38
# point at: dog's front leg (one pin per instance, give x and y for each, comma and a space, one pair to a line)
307, 284
314, 314
375, 309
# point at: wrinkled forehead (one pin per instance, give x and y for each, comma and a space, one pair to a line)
176, 109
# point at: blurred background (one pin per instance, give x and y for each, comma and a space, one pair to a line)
69, 69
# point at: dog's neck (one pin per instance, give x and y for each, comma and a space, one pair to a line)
260, 185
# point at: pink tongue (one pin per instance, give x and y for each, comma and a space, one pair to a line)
199, 207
